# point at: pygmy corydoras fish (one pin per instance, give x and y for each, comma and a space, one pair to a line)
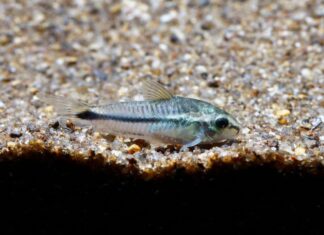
161, 117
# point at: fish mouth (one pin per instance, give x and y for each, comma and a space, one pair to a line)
235, 128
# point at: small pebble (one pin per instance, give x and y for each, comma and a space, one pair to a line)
245, 130
54, 124
2, 105
15, 134
115, 8
283, 121
306, 73
282, 113
33, 90
306, 124
166, 18
32, 127
100, 74
11, 144
204, 3
316, 123
207, 25
310, 143
69, 124
200, 69
134, 148
49, 109
299, 151
177, 36
97, 135
70, 60
213, 84
5, 39
174, 38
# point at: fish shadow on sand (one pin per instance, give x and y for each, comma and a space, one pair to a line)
176, 148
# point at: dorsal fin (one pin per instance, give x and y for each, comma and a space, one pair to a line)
153, 90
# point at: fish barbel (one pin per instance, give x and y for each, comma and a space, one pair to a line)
161, 117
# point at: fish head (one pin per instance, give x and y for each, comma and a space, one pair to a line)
223, 127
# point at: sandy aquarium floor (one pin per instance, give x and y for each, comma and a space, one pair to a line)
262, 61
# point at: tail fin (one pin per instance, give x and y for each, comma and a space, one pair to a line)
65, 106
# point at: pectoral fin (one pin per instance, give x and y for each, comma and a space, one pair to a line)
199, 138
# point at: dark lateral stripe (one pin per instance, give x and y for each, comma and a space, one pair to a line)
89, 115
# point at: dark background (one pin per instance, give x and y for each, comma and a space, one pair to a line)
60, 196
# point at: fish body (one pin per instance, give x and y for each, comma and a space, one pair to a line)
161, 118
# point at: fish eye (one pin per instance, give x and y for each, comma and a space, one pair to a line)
221, 122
